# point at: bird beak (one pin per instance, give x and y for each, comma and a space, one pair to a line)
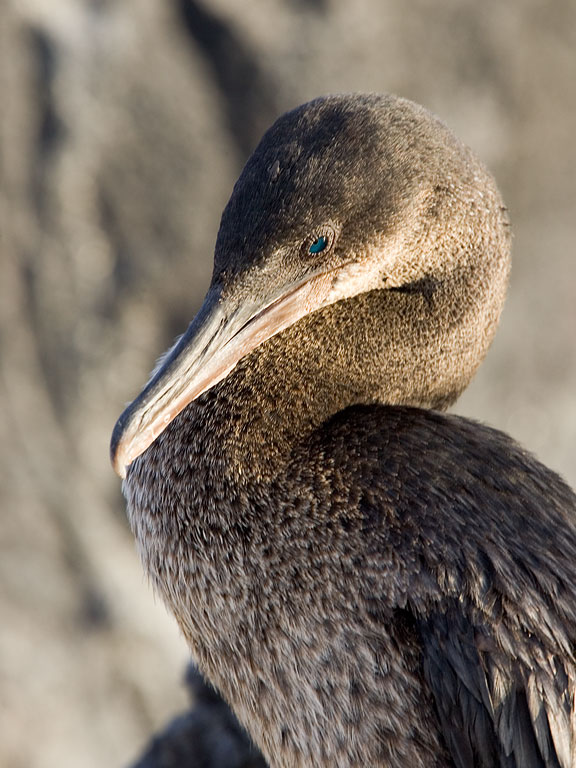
224, 331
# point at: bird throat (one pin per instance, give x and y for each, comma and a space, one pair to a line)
379, 347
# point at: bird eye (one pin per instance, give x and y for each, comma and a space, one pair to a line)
320, 241
318, 245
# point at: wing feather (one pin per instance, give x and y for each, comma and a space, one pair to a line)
494, 710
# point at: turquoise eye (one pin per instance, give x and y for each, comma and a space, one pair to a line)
318, 245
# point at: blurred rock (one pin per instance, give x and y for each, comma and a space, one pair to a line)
124, 124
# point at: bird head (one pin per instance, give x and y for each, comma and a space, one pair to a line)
344, 196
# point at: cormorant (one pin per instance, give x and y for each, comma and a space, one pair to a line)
368, 581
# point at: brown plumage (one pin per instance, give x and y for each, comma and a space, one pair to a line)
366, 580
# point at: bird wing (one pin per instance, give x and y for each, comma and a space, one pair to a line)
495, 708
477, 540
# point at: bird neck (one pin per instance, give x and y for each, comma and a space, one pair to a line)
418, 347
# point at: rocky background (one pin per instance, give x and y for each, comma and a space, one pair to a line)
123, 126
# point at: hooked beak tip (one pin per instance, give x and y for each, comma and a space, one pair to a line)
117, 457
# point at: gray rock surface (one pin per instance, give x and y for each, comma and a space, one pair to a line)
124, 124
